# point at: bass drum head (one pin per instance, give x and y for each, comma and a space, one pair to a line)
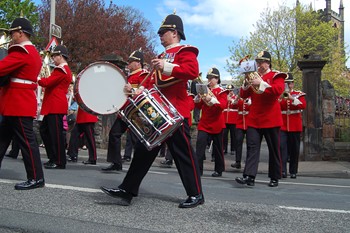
99, 88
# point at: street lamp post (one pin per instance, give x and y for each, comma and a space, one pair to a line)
52, 16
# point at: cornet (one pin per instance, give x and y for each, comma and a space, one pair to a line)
249, 68
204, 91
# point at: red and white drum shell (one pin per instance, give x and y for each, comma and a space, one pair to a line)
151, 117
99, 88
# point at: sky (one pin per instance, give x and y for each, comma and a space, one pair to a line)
213, 25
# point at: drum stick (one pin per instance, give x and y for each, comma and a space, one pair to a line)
161, 56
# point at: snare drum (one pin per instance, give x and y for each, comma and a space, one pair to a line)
99, 88
151, 117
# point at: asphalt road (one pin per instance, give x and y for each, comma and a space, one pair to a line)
73, 202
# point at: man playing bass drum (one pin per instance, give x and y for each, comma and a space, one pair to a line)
173, 69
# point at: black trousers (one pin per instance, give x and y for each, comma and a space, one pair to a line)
184, 157
131, 139
51, 132
14, 152
230, 129
290, 145
89, 132
240, 133
20, 129
114, 141
254, 138
218, 151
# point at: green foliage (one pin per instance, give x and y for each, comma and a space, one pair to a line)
289, 34
12, 9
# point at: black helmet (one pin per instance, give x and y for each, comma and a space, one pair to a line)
230, 87
22, 24
173, 22
137, 55
264, 55
60, 50
215, 73
289, 78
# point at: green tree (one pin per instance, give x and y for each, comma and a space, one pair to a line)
289, 34
90, 30
12, 9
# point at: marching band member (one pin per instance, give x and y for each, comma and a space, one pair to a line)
292, 104
54, 107
18, 104
135, 77
172, 69
241, 128
230, 116
264, 119
85, 124
212, 122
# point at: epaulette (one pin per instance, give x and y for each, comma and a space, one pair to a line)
223, 90
280, 75
18, 46
190, 48
62, 68
143, 72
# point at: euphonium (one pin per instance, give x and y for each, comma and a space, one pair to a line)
249, 68
5, 40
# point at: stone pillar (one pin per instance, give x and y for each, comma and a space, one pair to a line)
329, 108
311, 67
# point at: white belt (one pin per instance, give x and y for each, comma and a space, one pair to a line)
230, 110
291, 112
243, 112
19, 80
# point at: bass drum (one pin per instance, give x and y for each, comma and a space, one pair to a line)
99, 88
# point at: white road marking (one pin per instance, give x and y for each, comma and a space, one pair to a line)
282, 182
315, 209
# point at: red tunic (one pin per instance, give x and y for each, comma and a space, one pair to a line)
212, 120
230, 112
184, 57
243, 111
56, 89
291, 113
265, 111
23, 64
137, 76
84, 117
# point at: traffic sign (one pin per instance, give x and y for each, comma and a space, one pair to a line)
56, 30
52, 44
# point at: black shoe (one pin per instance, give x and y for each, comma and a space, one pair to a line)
30, 184
124, 197
216, 174
273, 183
236, 165
125, 159
72, 159
47, 163
284, 175
89, 162
245, 180
293, 176
112, 167
166, 163
54, 166
225, 151
233, 152
11, 156
192, 201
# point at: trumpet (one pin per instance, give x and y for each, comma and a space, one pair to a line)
204, 91
249, 68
